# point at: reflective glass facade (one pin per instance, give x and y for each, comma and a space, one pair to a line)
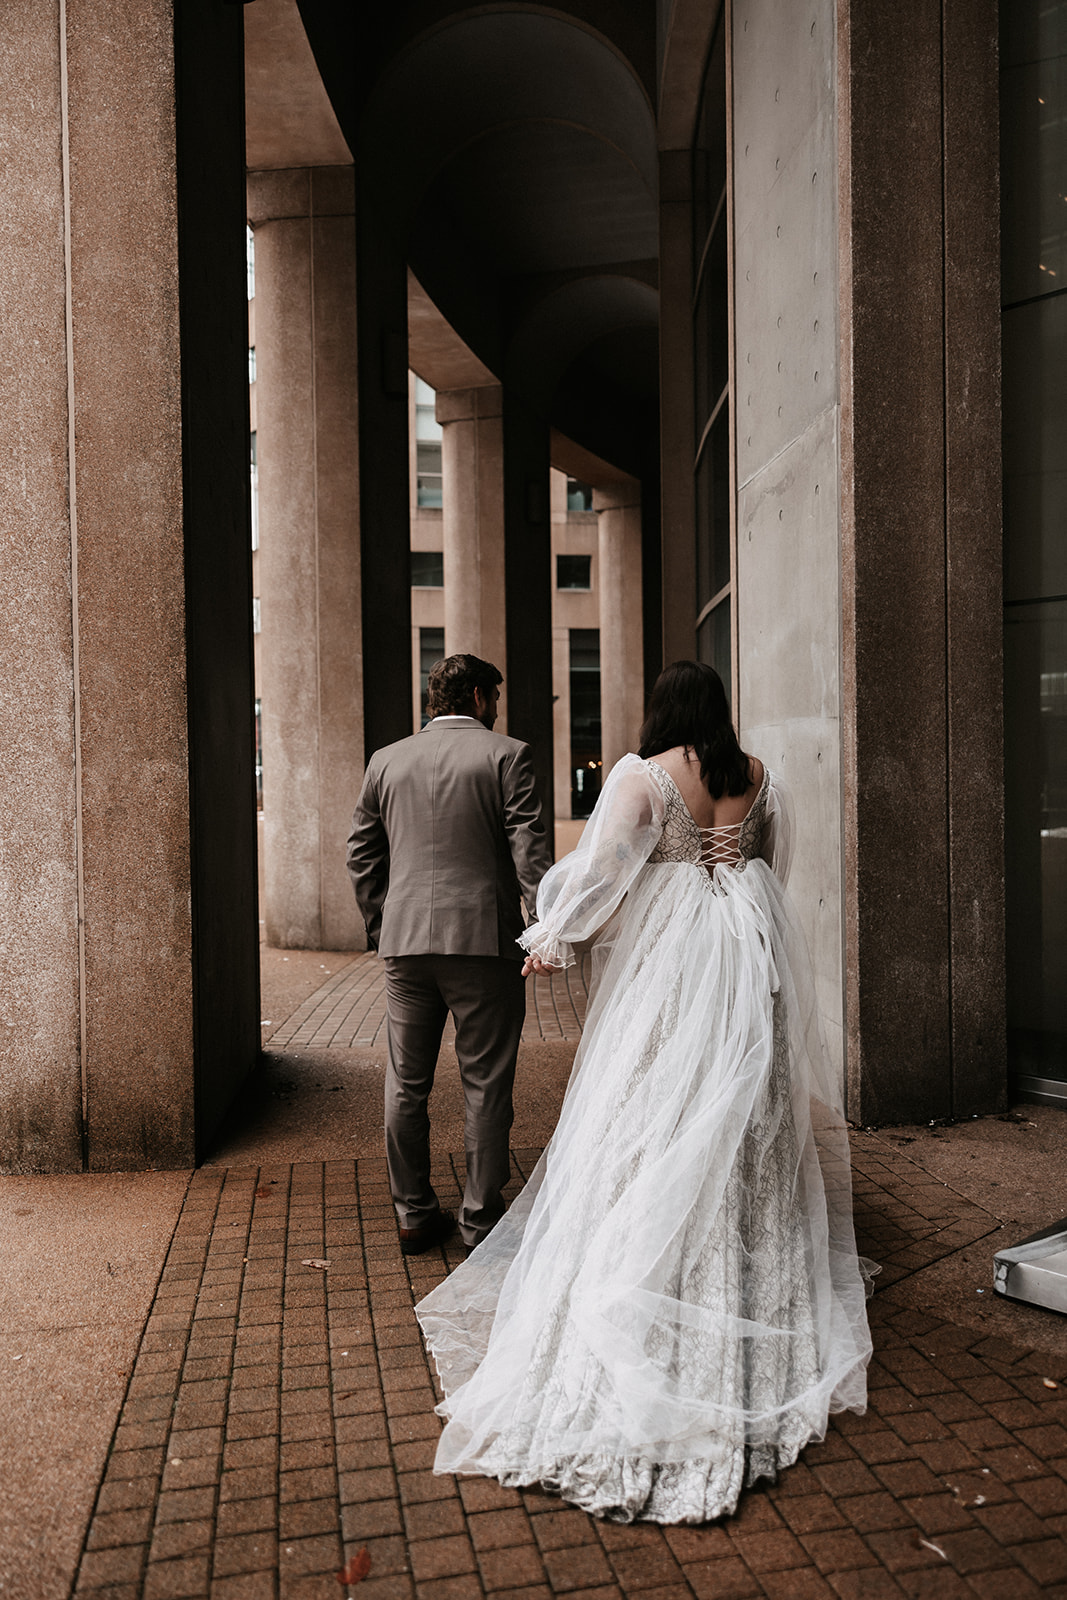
1033, 283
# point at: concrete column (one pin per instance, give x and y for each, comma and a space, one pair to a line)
385, 513
622, 677
128, 972
472, 466
921, 559
677, 442
528, 597
786, 419
309, 568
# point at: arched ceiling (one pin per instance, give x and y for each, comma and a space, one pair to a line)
510, 150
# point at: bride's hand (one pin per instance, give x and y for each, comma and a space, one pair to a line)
535, 964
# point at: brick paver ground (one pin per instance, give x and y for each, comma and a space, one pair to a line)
348, 1009
279, 1424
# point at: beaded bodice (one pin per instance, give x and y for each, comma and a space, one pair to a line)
731, 845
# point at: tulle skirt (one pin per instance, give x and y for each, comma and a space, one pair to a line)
673, 1305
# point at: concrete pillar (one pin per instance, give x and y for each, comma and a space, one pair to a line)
528, 589
128, 950
472, 467
921, 558
309, 570
622, 677
385, 513
677, 441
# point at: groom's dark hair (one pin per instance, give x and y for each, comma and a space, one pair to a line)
453, 681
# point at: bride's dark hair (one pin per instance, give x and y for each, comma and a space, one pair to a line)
688, 707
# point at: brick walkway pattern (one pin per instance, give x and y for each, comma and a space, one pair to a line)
279, 1422
349, 1009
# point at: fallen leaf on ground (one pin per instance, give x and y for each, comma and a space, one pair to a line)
936, 1548
1050, 1383
356, 1569
263, 1192
315, 1261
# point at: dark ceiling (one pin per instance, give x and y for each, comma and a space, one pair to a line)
511, 152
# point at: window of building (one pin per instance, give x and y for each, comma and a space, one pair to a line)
586, 763
257, 621
427, 448
427, 569
254, 472
251, 363
579, 495
259, 755
250, 261
574, 572
431, 650
712, 399
1033, 145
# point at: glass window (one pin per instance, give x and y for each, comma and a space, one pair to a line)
574, 572
429, 483
427, 569
428, 435
713, 512
1033, 107
259, 755
586, 763
711, 365
431, 650
1035, 723
250, 261
579, 495
1033, 187
251, 363
254, 471
1035, 448
709, 147
713, 643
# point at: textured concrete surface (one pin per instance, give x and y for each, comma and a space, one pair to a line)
130, 603
289, 120
100, 877
40, 1080
309, 567
622, 659
472, 467
82, 1256
787, 401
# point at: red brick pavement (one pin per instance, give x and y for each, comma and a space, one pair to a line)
279, 1421
348, 1009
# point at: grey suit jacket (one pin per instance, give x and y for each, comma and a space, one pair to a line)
446, 840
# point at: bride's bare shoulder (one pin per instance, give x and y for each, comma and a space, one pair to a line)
676, 761
755, 770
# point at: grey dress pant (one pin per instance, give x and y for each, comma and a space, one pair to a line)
487, 998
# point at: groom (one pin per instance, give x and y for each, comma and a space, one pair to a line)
447, 838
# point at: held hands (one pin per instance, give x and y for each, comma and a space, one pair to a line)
544, 969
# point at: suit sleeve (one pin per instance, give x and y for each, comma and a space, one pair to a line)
525, 826
368, 856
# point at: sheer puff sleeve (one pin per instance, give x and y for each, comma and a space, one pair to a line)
580, 893
776, 843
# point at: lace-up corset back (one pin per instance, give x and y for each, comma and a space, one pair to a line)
731, 845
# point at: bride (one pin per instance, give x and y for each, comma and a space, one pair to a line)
673, 1305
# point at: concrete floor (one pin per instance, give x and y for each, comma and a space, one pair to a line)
83, 1254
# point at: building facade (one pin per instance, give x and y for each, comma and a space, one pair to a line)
747, 270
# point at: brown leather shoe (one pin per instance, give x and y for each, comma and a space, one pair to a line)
413, 1241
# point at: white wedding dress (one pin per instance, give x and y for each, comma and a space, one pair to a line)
673, 1305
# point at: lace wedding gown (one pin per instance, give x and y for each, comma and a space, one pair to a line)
673, 1305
